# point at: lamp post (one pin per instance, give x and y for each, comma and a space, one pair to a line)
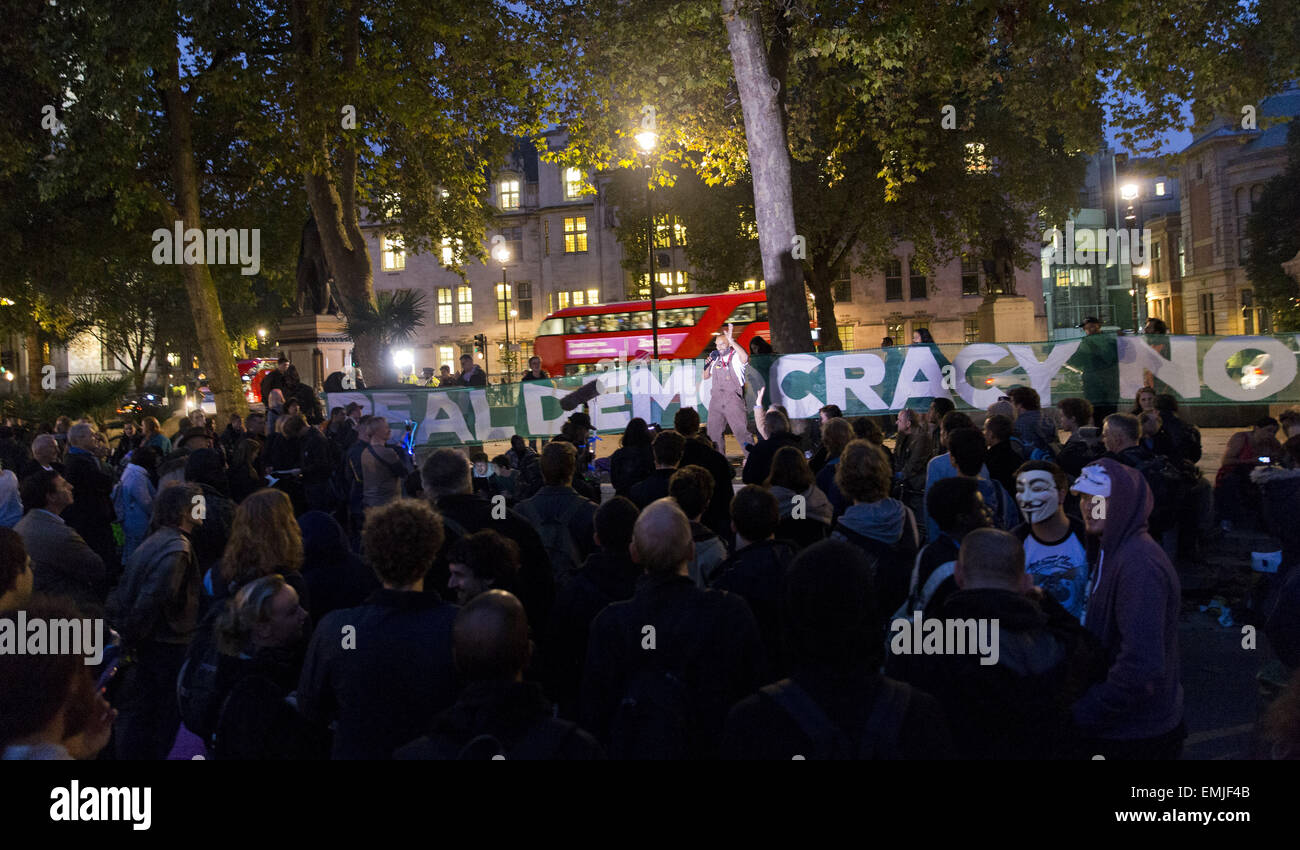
502, 254
513, 316
1129, 192
647, 140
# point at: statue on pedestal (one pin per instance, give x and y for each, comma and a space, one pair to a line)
315, 284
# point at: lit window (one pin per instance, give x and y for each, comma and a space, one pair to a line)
452, 252
575, 234
573, 183
846, 336
894, 330
971, 330
562, 299
1160, 187
445, 314
464, 305
509, 193
579, 298
746, 285
394, 257
503, 301
679, 233
976, 161
670, 283
447, 357
593, 296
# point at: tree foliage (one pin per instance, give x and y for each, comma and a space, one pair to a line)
863, 89
1274, 232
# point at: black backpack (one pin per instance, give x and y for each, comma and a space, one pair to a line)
655, 719
203, 682
543, 742
879, 738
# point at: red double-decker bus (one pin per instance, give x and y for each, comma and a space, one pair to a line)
573, 340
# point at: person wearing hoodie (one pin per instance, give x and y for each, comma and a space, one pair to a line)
756, 572
791, 481
691, 487
883, 528
1017, 706
133, 497
335, 576
498, 714
1084, 444
1137, 711
608, 575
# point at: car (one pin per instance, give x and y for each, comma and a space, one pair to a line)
1256, 372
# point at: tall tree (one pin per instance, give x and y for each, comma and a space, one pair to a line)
397, 112
167, 114
1274, 233
886, 77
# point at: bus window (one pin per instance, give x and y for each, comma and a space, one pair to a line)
551, 327
742, 315
641, 320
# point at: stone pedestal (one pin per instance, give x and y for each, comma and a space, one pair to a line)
1008, 318
316, 345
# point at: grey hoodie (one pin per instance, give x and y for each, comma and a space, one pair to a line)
881, 520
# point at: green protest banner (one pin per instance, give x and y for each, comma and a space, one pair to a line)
1198, 370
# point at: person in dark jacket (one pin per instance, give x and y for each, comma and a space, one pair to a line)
836, 434
699, 451
318, 459
247, 472
706, 639
205, 469
756, 573
835, 705
498, 714
883, 528
957, 506
1137, 712
1084, 444
382, 670
335, 576
448, 486
758, 464
156, 610
691, 487
633, 461
1014, 702
1002, 459
668, 447
45, 457
608, 575
62, 563
91, 513
558, 502
260, 636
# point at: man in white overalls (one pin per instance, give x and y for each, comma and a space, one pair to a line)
727, 400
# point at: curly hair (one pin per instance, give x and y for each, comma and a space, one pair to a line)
264, 540
863, 473
401, 540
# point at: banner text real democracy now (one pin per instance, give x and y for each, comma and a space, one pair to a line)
1195, 369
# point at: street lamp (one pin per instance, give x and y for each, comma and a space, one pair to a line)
502, 254
647, 140
514, 314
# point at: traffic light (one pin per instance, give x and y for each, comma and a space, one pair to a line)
480, 344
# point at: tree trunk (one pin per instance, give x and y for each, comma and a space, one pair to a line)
821, 281
209, 323
332, 194
769, 165
35, 360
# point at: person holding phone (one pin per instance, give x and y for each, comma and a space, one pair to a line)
726, 366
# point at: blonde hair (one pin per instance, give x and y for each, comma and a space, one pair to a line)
248, 608
264, 539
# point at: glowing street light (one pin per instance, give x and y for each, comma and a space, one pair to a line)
647, 140
1129, 191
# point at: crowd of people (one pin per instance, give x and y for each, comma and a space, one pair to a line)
296, 586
